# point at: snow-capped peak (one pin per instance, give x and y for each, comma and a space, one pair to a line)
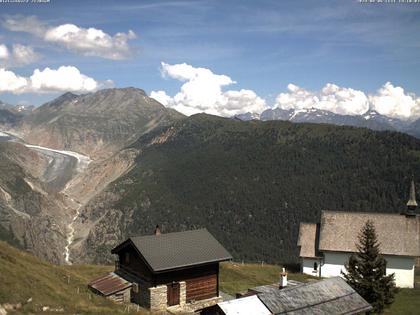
371, 113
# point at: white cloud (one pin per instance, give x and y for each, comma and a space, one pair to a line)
202, 92
10, 82
161, 97
4, 52
344, 101
23, 55
242, 101
63, 79
20, 55
27, 24
394, 102
91, 41
86, 41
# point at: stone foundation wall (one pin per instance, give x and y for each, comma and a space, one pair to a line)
121, 296
198, 305
158, 298
182, 293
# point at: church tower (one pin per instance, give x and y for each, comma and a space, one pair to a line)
412, 203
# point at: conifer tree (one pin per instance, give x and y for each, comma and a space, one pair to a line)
366, 271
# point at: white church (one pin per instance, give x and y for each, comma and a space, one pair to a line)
326, 247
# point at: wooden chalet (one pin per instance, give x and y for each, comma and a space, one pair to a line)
171, 269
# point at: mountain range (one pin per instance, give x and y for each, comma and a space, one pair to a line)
371, 119
12, 114
95, 124
250, 183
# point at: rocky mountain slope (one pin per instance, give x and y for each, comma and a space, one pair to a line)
250, 183
11, 115
31, 214
39, 213
97, 124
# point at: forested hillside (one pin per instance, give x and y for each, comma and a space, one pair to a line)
250, 183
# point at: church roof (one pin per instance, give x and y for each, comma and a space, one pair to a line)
397, 234
307, 240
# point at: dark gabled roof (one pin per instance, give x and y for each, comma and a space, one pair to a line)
329, 296
178, 250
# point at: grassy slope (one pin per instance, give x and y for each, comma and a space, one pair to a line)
407, 301
23, 276
235, 277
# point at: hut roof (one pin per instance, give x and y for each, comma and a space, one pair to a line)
178, 250
109, 284
329, 296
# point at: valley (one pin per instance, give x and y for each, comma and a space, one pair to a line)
209, 157
139, 164
64, 177
61, 167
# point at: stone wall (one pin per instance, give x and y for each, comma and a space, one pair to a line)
121, 296
158, 298
182, 293
198, 305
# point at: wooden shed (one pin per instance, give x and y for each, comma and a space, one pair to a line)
172, 269
113, 287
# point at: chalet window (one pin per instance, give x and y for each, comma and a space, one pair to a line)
315, 266
127, 258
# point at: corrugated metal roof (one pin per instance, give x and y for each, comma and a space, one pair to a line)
109, 284
180, 249
329, 296
250, 305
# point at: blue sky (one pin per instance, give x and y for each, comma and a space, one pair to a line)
261, 45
